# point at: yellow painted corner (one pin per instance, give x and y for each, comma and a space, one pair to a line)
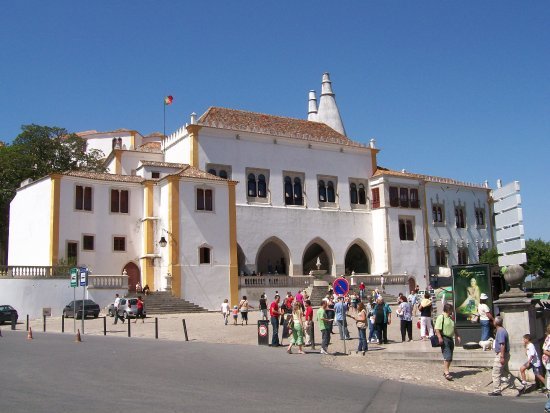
233, 259
54, 218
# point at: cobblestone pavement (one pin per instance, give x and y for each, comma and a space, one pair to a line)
379, 360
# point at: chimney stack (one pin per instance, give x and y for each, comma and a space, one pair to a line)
312, 106
328, 110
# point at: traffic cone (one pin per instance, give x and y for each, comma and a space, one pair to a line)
77, 339
29, 336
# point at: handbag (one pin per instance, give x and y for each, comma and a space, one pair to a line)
475, 318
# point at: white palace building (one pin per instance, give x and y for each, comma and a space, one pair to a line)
237, 193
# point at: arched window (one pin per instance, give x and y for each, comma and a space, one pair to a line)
331, 196
212, 171
289, 194
353, 193
322, 191
223, 174
119, 143
439, 214
252, 185
262, 186
362, 195
114, 143
298, 196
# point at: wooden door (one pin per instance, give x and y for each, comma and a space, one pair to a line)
132, 270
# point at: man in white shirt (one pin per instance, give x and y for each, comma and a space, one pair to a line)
116, 305
533, 362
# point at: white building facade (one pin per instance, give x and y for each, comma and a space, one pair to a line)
237, 192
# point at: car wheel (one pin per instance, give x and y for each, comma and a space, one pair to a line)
111, 314
96, 315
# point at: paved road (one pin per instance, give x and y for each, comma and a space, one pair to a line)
109, 374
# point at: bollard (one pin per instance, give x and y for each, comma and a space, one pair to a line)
27, 322
185, 329
129, 332
312, 335
104, 326
156, 328
13, 321
63, 323
44, 328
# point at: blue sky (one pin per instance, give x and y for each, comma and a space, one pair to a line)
454, 89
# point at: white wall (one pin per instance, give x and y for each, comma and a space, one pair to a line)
30, 296
450, 196
204, 284
29, 236
101, 223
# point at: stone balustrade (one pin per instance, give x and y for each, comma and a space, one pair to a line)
267, 281
34, 271
113, 282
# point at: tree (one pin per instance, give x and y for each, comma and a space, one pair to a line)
36, 152
489, 257
538, 257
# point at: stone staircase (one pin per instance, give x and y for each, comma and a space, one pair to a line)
162, 302
318, 292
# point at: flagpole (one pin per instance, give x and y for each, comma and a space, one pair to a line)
164, 115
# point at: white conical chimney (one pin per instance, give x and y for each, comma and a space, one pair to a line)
312, 106
328, 110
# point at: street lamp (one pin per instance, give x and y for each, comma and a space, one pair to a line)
163, 242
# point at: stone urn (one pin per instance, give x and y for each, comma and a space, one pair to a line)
514, 276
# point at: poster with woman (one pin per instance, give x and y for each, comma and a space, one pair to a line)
469, 282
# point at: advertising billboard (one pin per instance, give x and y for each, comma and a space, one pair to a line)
469, 282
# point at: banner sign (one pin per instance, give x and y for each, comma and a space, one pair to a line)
469, 282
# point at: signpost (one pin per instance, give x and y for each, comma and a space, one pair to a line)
509, 225
74, 283
341, 287
83, 284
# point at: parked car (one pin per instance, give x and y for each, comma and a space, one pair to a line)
6, 312
127, 308
74, 309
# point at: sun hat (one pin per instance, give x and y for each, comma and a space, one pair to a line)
483, 296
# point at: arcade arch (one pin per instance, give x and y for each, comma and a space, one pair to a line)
357, 259
273, 257
317, 249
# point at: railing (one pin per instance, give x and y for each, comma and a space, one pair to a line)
108, 282
374, 280
266, 281
34, 271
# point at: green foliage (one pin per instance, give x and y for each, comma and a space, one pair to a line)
36, 152
489, 257
538, 257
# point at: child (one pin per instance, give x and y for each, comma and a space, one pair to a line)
235, 314
533, 361
225, 310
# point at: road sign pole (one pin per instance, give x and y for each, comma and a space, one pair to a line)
83, 297
74, 315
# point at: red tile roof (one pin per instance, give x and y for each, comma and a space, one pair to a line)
240, 120
150, 147
191, 172
384, 171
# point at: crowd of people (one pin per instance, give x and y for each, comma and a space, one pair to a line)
293, 317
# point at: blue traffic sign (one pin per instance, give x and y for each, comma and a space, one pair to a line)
83, 277
340, 286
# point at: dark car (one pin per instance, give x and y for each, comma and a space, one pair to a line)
6, 312
74, 309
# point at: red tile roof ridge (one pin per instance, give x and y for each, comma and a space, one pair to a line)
385, 171
274, 125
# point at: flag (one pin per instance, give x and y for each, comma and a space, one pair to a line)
168, 100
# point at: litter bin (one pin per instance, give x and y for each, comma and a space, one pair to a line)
263, 333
